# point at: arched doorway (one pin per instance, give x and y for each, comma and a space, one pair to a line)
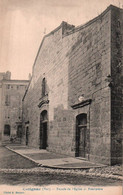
81, 127
43, 130
7, 130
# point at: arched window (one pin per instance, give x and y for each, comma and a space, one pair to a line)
43, 87
43, 116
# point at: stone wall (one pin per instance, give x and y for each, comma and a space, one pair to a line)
74, 62
51, 64
3, 76
116, 84
11, 104
89, 65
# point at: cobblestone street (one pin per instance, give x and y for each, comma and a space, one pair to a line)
54, 178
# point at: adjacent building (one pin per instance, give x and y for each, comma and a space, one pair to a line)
11, 94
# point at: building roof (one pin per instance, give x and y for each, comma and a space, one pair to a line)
15, 81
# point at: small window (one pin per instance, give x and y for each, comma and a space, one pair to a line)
118, 24
7, 130
8, 86
7, 100
43, 87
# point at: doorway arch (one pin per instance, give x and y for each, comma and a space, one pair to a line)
43, 130
81, 131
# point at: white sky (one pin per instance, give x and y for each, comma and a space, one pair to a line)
23, 23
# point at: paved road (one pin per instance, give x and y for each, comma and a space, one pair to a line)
9, 160
51, 159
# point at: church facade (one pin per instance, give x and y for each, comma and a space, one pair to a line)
72, 104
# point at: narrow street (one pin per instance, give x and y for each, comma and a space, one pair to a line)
10, 160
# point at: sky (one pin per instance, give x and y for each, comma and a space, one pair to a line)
23, 23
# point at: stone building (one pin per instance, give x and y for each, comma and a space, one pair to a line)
11, 94
73, 102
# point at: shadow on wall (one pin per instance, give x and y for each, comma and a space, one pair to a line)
61, 134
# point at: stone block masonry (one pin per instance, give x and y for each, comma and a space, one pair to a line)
116, 85
72, 63
11, 93
89, 65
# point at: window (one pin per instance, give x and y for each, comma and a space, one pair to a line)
7, 100
118, 24
43, 87
7, 130
8, 86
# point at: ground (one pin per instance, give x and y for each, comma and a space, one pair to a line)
24, 173
55, 179
10, 160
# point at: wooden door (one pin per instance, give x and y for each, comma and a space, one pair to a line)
81, 128
82, 141
44, 137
